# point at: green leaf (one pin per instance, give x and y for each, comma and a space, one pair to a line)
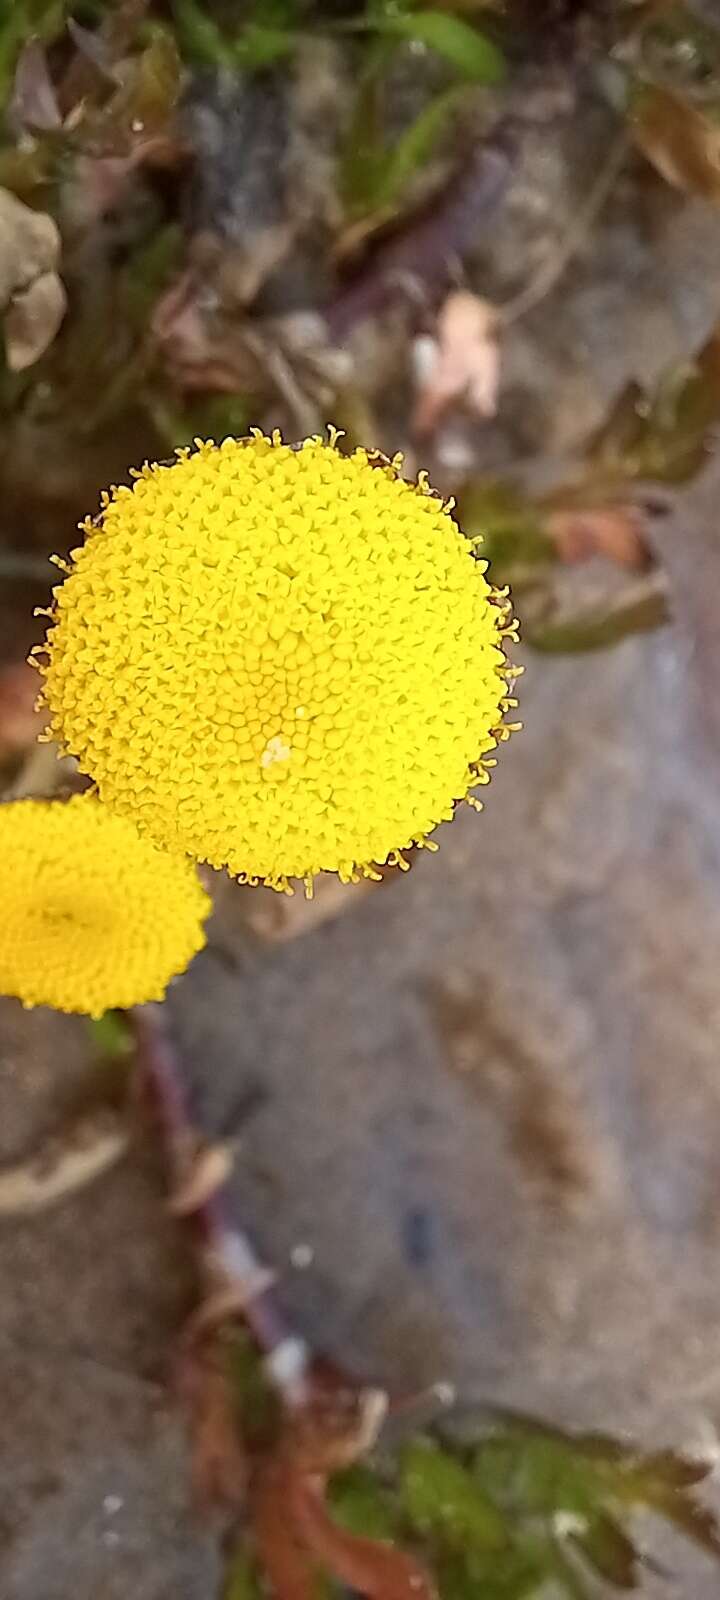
361, 1504
200, 38
256, 45
468, 50
665, 435
258, 1405
440, 1499
599, 627
148, 271
512, 528
111, 1035
259, 46
415, 146
608, 1551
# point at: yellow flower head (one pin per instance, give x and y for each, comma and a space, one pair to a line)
93, 916
279, 660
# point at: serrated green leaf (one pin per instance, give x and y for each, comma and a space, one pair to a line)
361, 1504
440, 1499
599, 627
662, 436
609, 1551
466, 49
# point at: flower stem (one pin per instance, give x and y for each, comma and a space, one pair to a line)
236, 1284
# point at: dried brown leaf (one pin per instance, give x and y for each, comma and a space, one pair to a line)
29, 246
33, 319
219, 1464
681, 141
283, 1556
367, 1565
464, 362
613, 531
209, 1171
20, 722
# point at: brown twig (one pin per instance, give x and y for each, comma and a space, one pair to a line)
326, 1423
235, 1283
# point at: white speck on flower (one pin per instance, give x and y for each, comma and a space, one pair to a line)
275, 750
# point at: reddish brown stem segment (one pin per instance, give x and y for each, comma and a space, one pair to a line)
235, 1281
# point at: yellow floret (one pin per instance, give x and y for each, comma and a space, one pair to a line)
93, 916
283, 661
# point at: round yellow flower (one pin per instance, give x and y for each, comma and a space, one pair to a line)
280, 660
93, 916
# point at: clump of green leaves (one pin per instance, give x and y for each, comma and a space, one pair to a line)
521, 1510
376, 169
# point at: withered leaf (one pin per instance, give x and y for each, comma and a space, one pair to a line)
615, 531
32, 320
681, 141
598, 627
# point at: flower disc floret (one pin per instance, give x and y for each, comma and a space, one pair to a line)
93, 916
279, 660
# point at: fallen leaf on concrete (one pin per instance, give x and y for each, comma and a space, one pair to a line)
65, 1163
681, 141
208, 1172
31, 293
613, 531
462, 362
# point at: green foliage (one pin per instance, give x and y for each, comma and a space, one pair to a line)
662, 436
524, 1511
256, 1400
255, 45
21, 20
443, 1502
416, 145
111, 1036
242, 1581
209, 416
464, 47
514, 537
375, 175
362, 1504
598, 627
